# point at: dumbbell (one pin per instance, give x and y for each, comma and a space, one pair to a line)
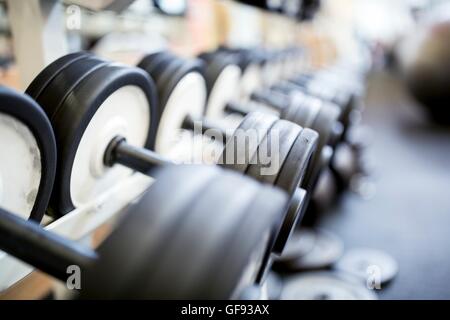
343, 95
105, 115
304, 110
250, 64
170, 244
157, 231
295, 151
307, 111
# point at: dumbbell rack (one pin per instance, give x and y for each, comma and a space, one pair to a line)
80, 223
40, 24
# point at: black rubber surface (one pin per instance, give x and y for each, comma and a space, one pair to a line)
45, 76
254, 124
62, 84
286, 132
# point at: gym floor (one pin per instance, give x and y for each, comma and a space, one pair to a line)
409, 215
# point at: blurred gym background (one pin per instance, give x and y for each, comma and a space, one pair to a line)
402, 203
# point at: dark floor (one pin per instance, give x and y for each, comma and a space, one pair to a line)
409, 216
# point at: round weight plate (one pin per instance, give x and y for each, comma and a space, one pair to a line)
323, 124
327, 250
242, 145
113, 100
312, 108
294, 214
267, 206
54, 94
215, 63
171, 78
45, 76
325, 286
369, 263
268, 162
225, 89
182, 92
254, 238
187, 98
28, 161
301, 242
164, 75
298, 161
159, 66
289, 112
250, 80
133, 248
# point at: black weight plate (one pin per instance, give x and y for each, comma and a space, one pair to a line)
158, 67
262, 202
27, 111
52, 97
274, 285
170, 67
158, 64
162, 80
294, 214
132, 250
74, 115
204, 250
161, 74
308, 111
150, 61
286, 133
298, 161
214, 68
255, 122
181, 71
207, 56
325, 120
290, 111
45, 76
269, 205
243, 59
